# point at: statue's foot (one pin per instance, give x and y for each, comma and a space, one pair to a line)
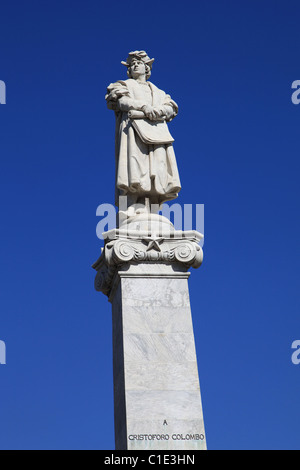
130, 212
142, 210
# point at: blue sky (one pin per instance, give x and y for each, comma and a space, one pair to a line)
229, 65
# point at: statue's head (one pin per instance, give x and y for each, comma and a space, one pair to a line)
138, 63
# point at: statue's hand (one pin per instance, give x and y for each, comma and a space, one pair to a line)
148, 110
151, 113
159, 113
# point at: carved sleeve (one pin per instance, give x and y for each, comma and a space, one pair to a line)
118, 98
169, 108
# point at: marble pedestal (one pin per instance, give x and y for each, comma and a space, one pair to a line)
156, 385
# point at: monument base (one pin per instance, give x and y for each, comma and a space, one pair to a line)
156, 385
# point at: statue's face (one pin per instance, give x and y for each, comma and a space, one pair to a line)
137, 68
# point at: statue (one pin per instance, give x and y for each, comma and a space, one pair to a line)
143, 270
146, 168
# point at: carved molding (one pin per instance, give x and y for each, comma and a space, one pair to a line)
120, 251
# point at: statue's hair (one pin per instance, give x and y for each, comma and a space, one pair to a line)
140, 55
147, 69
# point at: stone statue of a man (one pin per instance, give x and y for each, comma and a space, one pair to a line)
146, 169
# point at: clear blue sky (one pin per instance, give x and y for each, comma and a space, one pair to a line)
229, 65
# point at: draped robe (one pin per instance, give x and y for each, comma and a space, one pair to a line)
143, 169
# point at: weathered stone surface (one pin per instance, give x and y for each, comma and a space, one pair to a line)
164, 252
157, 391
143, 269
146, 164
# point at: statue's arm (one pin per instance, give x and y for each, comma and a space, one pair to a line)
126, 104
169, 108
118, 98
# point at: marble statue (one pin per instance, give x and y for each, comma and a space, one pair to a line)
143, 270
146, 168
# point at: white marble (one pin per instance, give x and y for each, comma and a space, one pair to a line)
155, 255
155, 365
146, 165
181, 376
170, 434
143, 269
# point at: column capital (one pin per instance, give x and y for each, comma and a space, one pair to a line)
176, 250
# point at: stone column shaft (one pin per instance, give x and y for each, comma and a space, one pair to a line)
156, 385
